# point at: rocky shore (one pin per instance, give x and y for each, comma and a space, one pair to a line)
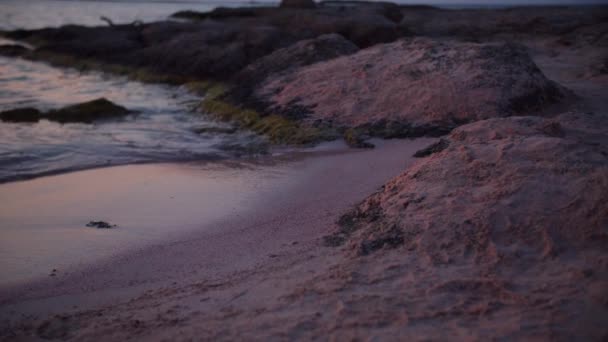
255, 62
498, 231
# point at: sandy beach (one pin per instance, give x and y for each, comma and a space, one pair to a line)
250, 215
356, 171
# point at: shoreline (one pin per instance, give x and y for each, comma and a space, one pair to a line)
498, 232
257, 184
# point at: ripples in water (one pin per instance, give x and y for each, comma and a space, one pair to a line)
163, 129
33, 14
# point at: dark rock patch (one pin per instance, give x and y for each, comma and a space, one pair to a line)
437, 147
21, 115
86, 112
390, 239
215, 130
297, 4
90, 111
13, 50
101, 225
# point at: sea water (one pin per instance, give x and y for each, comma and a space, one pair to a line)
164, 127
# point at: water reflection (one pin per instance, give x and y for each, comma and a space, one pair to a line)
164, 127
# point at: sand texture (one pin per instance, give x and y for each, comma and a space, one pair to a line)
498, 231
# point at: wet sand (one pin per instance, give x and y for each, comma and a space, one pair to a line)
177, 222
44, 220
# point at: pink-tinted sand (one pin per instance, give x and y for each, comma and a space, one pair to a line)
176, 221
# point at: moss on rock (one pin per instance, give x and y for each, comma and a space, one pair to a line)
278, 129
355, 138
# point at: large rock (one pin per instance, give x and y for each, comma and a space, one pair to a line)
415, 82
365, 24
193, 50
106, 43
300, 54
508, 224
364, 27
215, 50
214, 45
513, 23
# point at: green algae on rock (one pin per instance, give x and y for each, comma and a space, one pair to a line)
278, 129
354, 138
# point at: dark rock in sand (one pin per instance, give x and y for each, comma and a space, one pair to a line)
101, 225
21, 115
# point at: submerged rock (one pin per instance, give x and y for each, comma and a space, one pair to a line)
215, 130
85, 112
88, 112
21, 115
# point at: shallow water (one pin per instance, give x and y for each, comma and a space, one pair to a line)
32, 14
163, 129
